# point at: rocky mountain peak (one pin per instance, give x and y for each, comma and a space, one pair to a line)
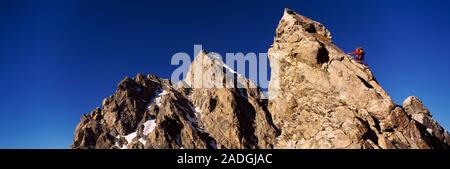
319, 97
208, 70
294, 21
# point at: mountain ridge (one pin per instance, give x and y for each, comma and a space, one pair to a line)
318, 98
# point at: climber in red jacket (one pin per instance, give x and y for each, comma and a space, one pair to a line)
359, 52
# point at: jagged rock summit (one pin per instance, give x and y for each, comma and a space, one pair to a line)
318, 98
321, 98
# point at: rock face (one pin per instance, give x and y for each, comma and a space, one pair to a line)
321, 98
318, 98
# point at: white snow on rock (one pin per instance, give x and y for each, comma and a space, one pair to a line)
198, 112
149, 126
217, 58
117, 145
130, 137
197, 119
229, 69
157, 99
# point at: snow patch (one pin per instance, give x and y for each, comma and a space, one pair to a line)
149, 126
198, 110
157, 99
117, 145
198, 115
217, 58
130, 137
229, 69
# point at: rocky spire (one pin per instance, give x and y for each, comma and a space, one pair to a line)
321, 98
230, 106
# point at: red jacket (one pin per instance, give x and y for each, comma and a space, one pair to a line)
358, 52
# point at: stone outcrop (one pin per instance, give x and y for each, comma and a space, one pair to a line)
321, 98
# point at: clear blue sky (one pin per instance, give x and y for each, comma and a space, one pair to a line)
59, 59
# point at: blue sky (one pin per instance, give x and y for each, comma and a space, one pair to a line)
59, 59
